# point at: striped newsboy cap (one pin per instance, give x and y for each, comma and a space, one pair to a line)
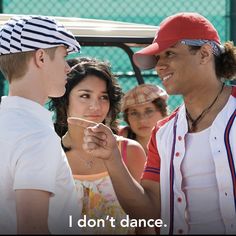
29, 33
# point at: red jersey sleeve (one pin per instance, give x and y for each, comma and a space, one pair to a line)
234, 91
152, 166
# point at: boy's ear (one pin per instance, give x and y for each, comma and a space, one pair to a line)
40, 57
206, 53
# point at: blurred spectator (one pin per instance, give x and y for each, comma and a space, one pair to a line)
143, 106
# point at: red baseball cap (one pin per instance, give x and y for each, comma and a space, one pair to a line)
185, 25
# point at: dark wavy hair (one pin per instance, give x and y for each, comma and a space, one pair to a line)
81, 68
225, 63
160, 105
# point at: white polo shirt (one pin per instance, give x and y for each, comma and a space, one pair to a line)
32, 158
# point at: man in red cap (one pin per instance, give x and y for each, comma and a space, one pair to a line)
190, 176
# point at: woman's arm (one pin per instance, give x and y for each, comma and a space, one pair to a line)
136, 159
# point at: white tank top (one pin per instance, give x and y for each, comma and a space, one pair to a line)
200, 186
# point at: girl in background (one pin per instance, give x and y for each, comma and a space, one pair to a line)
142, 107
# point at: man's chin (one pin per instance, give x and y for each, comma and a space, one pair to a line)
58, 93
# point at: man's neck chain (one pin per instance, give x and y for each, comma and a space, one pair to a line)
192, 123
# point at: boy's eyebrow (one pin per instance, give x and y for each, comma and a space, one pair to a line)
88, 90
83, 90
173, 46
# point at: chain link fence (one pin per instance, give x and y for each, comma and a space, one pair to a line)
136, 11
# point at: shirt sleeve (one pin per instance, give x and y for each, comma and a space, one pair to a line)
37, 162
152, 166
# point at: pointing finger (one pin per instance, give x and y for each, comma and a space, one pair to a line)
81, 122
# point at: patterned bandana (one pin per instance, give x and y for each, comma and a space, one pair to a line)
217, 49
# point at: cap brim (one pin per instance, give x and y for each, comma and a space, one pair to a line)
145, 58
